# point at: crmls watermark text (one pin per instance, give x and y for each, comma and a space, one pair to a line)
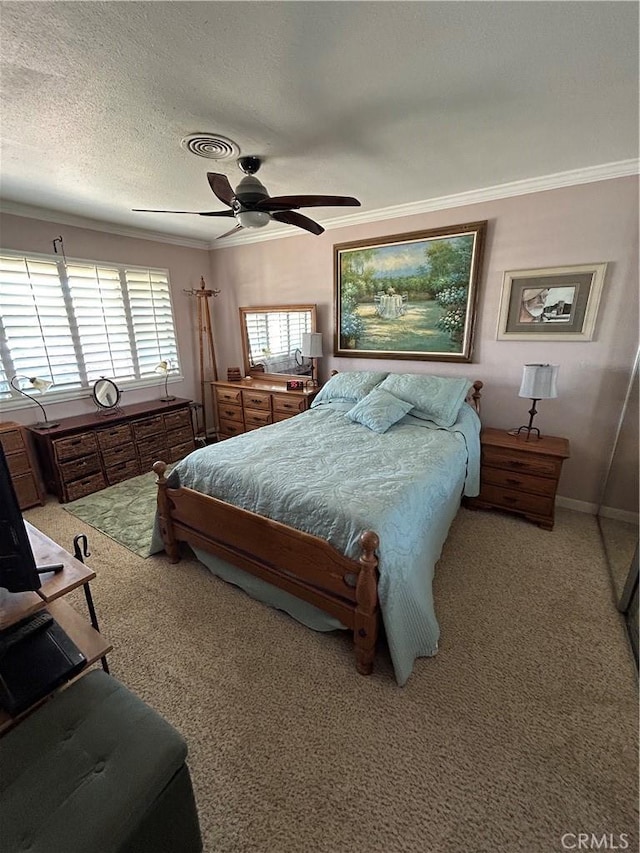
593, 841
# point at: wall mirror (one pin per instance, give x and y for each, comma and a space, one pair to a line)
272, 340
106, 394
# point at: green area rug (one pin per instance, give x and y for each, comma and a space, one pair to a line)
125, 512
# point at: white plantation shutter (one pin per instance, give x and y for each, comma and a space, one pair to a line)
73, 323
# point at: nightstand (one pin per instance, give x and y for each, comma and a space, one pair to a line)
520, 475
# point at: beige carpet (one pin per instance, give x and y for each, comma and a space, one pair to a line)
521, 729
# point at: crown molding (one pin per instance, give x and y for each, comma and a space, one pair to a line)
47, 215
573, 177
591, 174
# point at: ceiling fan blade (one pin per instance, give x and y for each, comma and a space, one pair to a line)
293, 218
229, 233
221, 187
196, 212
289, 202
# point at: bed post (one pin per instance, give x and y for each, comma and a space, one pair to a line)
475, 395
164, 513
365, 630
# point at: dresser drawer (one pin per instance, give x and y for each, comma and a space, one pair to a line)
77, 445
148, 426
118, 455
114, 436
510, 499
79, 468
86, 486
26, 490
179, 451
283, 416
523, 462
254, 418
180, 436
178, 420
229, 428
228, 412
292, 405
516, 480
12, 441
229, 395
117, 473
18, 463
256, 400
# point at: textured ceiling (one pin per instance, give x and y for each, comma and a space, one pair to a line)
391, 102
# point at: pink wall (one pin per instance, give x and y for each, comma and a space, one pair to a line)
574, 225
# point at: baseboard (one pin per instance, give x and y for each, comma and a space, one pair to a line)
594, 509
578, 506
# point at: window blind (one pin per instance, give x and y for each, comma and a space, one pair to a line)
72, 323
276, 335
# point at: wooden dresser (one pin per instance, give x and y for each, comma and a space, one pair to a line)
520, 475
22, 464
86, 453
252, 403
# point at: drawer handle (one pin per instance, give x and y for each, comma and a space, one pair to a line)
256, 400
511, 481
288, 406
76, 441
510, 500
515, 464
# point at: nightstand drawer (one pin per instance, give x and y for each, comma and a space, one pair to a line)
515, 480
11, 441
293, 405
256, 400
18, 463
510, 499
521, 461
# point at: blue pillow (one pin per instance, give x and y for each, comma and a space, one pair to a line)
435, 398
348, 387
379, 410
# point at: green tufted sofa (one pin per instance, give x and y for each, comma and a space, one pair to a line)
95, 770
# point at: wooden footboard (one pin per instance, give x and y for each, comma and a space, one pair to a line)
297, 562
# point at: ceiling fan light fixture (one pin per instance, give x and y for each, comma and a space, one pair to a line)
253, 218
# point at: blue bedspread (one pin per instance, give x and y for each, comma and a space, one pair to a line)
333, 478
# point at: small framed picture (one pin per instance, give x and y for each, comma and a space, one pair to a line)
555, 304
295, 385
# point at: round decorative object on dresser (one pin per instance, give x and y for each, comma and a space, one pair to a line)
106, 394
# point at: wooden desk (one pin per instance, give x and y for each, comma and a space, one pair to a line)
74, 574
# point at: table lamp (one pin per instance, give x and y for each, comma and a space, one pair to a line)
311, 347
40, 385
539, 382
165, 367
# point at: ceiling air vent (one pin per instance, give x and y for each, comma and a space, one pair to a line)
210, 146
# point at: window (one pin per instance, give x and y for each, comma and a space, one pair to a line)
73, 323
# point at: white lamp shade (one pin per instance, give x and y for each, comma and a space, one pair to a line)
539, 381
311, 345
41, 385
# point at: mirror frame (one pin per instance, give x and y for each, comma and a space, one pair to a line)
94, 394
270, 309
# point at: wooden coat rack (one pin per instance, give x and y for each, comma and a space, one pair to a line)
205, 332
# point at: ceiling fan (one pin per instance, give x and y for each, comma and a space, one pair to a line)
252, 206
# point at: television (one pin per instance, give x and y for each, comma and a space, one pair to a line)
18, 570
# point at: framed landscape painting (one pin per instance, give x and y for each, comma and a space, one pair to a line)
554, 304
409, 296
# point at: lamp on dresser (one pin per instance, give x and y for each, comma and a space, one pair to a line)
165, 368
311, 347
539, 382
36, 384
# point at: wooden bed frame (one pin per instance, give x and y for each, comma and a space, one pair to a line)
304, 565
